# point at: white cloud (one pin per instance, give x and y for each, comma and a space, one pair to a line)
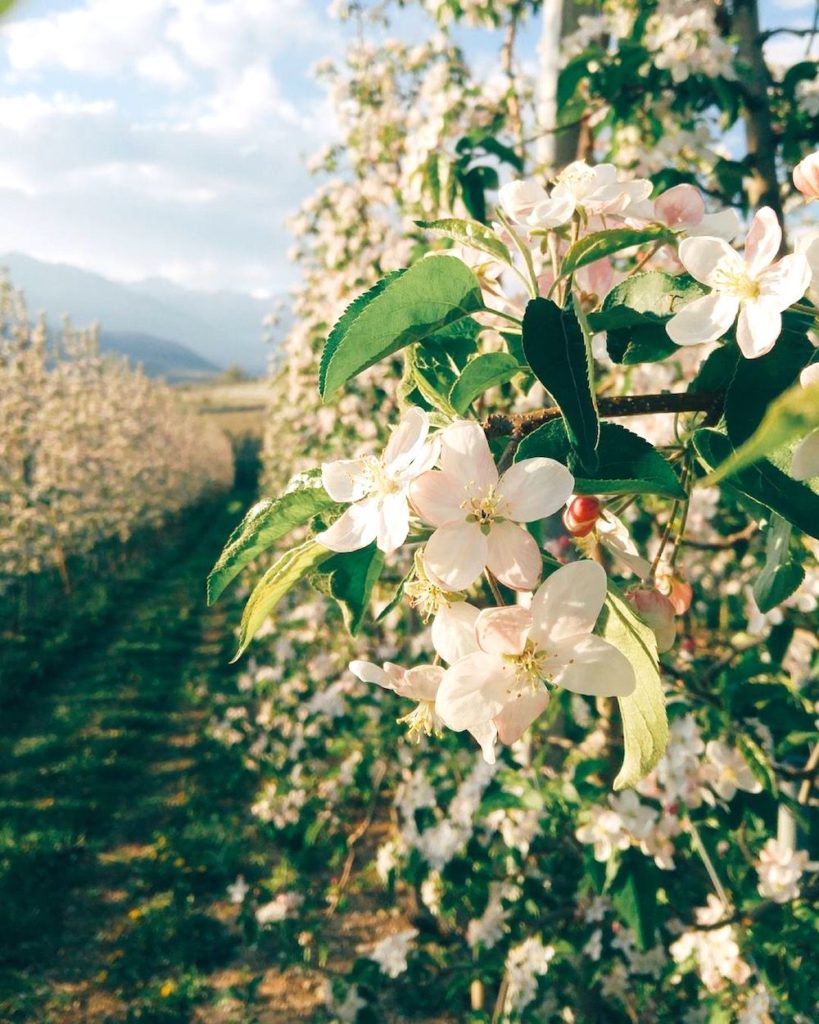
30, 112
245, 105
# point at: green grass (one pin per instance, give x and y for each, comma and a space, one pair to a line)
122, 822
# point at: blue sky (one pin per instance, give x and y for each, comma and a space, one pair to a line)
167, 137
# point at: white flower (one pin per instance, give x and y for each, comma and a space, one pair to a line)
806, 176
520, 651
525, 963
682, 208
728, 771
377, 488
526, 202
596, 190
805, 462
612, 533
279, 909
238, 890
753, 289
391, 953
779, 870
606, 831
477, 513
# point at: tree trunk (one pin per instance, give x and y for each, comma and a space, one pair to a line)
554, 149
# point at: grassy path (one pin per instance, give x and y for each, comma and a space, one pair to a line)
121, 822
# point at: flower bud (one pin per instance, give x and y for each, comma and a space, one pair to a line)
677, 590
581, 515
806, 176
657, 612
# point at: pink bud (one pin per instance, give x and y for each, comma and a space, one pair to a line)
657, 612
581, 515
806, 176
680, 595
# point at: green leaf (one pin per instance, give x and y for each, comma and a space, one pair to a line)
634, 896
471, 233
792, 416
264, 524
557, 352
780, 576
628, 463
757, 383
603, 243
275, 583
645, 726
347, 318
762, 482
480, 374
434, 292
431, 377
351, 577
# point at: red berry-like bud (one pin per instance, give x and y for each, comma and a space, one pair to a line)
581, 515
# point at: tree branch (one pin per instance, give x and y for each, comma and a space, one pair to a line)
517, 426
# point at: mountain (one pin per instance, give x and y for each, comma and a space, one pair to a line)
221, 327
158, 357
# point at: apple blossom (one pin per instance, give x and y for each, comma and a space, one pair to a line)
377, 489
752, 290
806, 176
682, 207
657, 611
612, 534
520, 652
597, 190
529, 204
477, 512
780, 869
727, 771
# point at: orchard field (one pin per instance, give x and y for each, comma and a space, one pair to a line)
464, 669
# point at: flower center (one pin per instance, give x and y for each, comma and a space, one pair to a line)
736, 282
484, 509
422, 719
529, 667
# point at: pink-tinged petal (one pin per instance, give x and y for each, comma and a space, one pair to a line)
763, 241
486, 734
725, 224
592, 666
535, 488
406, 440
810, 375
355, 529
569, 602
453, 631
474, 691
680, 205
513, 556
423, 460
503, 630
421, 682
786, 281
437, 497
614, 536
393, 522
596, 278
806, 176
758, 328
519, 714
805, 463
456, 554
465, 456
348, 479
368, 672
518, 199
706, 258
703, 320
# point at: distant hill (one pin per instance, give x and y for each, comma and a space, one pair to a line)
222, 327
157, 357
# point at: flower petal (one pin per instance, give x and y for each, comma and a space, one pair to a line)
725, 224
758, 327
354, 529
513, 556
393, 521
456, 554
466, 457
348, 479
424, 459
569, 602
592, 666
473, 691
369, 672
421, 682
535, 488
763, 241
453, 631
703, 320
519, 198
503, 630
786, 281
805, 464
406, 440
486, 734
702, 256
437, 498
519, 714
680, 205
551, 213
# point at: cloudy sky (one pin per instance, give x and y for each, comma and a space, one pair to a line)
165, 137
